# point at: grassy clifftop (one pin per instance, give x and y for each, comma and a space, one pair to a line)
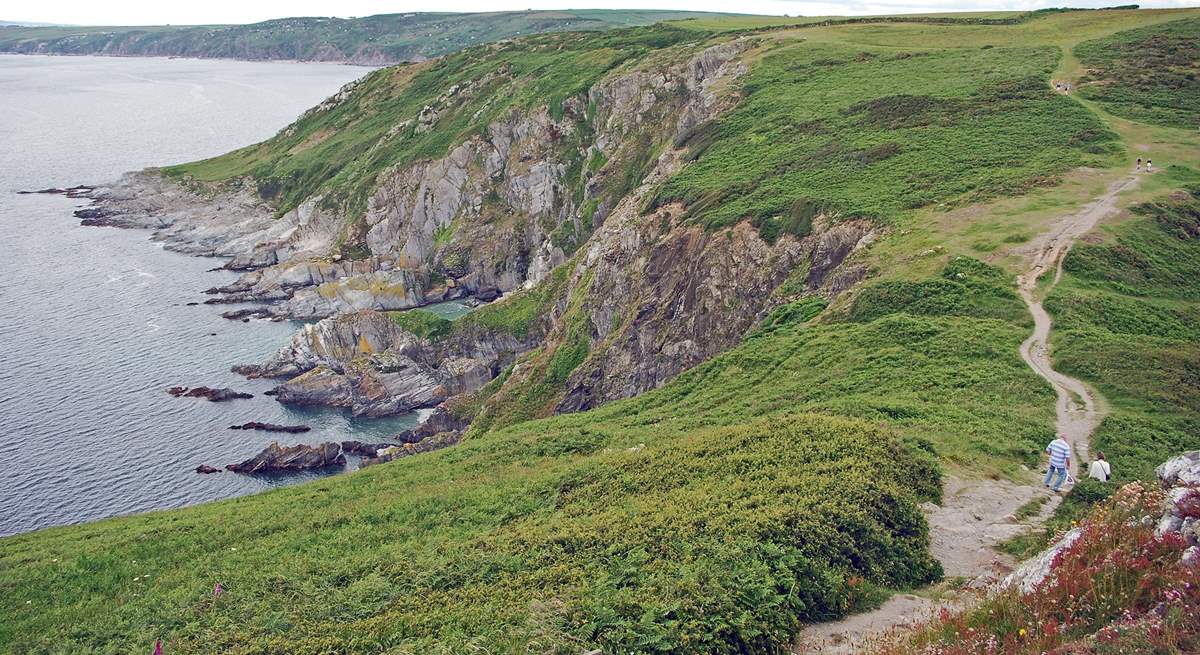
774, 484
382, 39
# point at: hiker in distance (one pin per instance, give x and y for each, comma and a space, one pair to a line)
1100, 469
1060, 461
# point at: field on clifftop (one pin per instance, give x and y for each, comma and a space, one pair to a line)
778, 482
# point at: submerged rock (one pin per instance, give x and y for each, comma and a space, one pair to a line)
271, 427
205, 468
208, 393
300, 457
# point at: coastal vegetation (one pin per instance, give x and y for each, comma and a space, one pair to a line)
775, 484
1150, 74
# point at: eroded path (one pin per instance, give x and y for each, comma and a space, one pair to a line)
977, 515
1079, 410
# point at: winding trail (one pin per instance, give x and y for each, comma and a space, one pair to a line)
976, 515
1079, 410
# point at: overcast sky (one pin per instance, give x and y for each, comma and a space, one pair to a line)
157, 12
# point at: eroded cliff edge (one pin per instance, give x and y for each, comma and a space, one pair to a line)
600, 298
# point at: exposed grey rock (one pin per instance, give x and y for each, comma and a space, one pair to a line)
207, 393
271, 427
435, 442
291, 458
363, 361
1033, 571
1181, 470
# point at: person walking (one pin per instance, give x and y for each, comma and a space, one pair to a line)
1100, 469
1139, 164
1060, 461
1149, 166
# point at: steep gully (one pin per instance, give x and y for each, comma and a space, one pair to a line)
975, 516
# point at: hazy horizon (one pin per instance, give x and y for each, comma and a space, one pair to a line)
142, 12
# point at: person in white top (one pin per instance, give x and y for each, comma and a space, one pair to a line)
1100, 468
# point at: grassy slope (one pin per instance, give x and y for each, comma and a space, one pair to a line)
708, 515
1128, 313
1150, 74
394, 37
868, 133
630, 525
340, 151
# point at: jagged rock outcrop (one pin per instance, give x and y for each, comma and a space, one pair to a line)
1180, 478
498, 212
301, 457
427, 444
365, 362
209, 394
271, 427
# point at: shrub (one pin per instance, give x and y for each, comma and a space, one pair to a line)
1119, 588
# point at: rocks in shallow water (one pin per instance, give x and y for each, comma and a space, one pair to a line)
436, 442
300, 457
245, 314
97, 217
440, 420
205, 468
271, 427
80, 191
208, 393
364, 449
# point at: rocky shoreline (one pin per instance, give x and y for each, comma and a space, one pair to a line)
637, 296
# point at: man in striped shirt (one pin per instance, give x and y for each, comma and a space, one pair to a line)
1060, 460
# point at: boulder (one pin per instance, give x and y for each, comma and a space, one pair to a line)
208, 393
1183, 470
292, 458
1030, 574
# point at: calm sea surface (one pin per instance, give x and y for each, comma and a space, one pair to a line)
93, 321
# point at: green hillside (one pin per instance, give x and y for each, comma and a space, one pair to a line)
777, 483
382, 39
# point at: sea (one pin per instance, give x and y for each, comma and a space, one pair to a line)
95, 323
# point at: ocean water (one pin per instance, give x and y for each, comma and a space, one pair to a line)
94, 324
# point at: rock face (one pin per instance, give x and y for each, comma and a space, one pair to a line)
271, 427
637, 299
300, 457
212, 395
1180, 478
496, 213
431, 443
363, 361
1030, 573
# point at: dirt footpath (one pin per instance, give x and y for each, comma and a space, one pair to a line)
977, 515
